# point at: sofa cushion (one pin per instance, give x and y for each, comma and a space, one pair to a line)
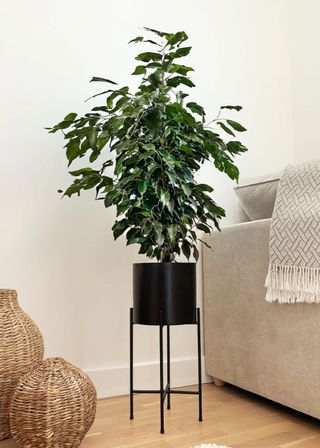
258, 195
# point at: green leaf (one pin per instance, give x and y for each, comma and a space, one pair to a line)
123, 91
135, 241
157, 226
149, 251
152, 167
101, 109
149, 56
214, 208
172, 176
111, 197
204, 187
186, 149
195, 108
73, 150
225, 128
92, 137
195, 253
168, 158
98, 79
177, 80
203, 227
183, 51
159, 239
152, 120
110, 101
146, 214
123, 206
115, 93
238, 108
149, 146
237, 126
231, 170
158, 230
119, 227
85, 145
165, 197
139, 70
181, 69
120, 104
153, 65
98, 94
70, 117
106, 185
186, 249
136, 39
75, 188
90, 181
177, 38
82, 171
60, 126
186, 189
189, 119
235, 147
170, 206
159, 33
194, 235
142, 186
152, 42
206, 244
172, 232
154, 79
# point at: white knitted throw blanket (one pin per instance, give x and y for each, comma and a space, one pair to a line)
294, 268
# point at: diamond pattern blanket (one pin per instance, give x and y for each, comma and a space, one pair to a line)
294, 248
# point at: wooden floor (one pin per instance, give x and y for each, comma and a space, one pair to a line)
231, 417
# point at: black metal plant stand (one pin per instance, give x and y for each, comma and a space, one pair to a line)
165, 392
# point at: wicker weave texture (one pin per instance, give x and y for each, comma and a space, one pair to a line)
21, 348
53, 406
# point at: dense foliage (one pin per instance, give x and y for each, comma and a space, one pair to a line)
160, 139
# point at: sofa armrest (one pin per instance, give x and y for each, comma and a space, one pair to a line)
239, 256
234, 273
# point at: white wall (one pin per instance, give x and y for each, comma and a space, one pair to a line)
59, 254
249, 59
305, 59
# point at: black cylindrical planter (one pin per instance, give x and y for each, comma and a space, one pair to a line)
169, 288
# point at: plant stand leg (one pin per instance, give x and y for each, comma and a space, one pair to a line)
199, 364
168, 368
131, 364
161, 376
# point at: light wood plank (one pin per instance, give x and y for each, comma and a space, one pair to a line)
231, 417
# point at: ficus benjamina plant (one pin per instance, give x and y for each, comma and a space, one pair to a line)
155, 139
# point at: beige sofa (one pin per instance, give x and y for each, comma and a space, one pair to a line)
270, 349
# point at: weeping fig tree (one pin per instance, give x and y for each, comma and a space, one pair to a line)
155, 139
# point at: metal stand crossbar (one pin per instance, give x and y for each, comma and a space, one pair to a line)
165, 392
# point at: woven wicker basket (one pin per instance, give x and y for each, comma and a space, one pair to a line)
21, 347
53, 406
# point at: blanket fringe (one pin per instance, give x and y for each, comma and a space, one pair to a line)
293, 284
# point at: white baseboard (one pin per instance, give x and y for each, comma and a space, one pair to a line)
114, 381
